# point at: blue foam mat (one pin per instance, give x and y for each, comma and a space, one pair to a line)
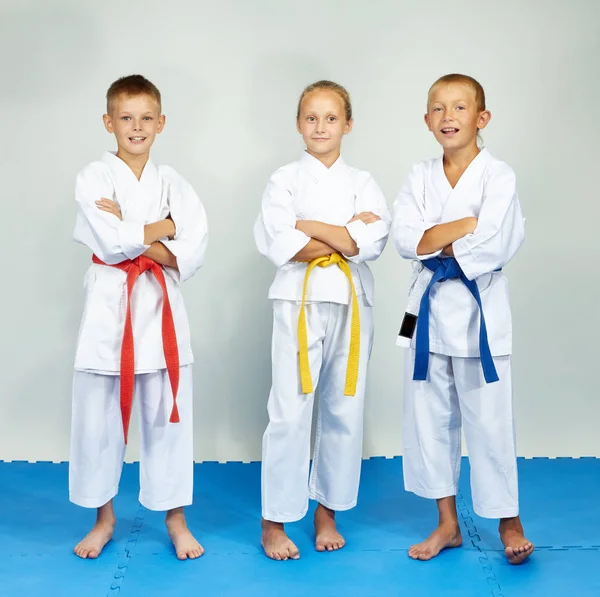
351, 574
60, 575
42, 521
559, 500
551, 573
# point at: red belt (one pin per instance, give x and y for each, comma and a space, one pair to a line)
134, 268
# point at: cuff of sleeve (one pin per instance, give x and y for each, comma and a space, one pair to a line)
131, 237
359, 231
184, 271
286, 245
177, 228
462, 254
414, 236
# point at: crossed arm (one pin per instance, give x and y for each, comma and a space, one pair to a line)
441, 236
152, 233
326, 238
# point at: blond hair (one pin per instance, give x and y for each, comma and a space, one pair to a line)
329, 86
465, 80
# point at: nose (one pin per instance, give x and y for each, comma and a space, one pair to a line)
137, 125
321, 126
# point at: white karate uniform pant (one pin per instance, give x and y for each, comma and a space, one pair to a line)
98, 445
337, 454
456, 392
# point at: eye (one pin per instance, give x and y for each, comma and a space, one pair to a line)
125, 118
148, 118
331, 118
460, 107
310, 118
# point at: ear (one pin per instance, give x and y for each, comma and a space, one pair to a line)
161, 124
108, 124
427, 121
484, 119
298, 125
348, 126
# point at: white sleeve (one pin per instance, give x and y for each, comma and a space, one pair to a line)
410, 221
370, 238
191, 228
110, 239
500, 228
275, 231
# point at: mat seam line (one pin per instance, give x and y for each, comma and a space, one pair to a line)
484, 560
121, 570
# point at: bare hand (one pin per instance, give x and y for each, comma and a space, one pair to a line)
112, 207
365, 216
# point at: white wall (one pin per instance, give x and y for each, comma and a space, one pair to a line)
230, 73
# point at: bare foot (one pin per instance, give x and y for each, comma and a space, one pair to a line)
446, 535
277, 545
327, 536
184, 542
93, 543
516, 547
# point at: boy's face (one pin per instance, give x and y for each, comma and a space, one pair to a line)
322, 122
452, 115
135, 121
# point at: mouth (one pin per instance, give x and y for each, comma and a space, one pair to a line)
449, 131
137, 140
319, 139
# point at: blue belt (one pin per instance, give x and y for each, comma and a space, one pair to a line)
449, 269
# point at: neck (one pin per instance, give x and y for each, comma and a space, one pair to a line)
136, 163
327, 159
460, 158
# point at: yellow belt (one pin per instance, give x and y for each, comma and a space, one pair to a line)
353, 354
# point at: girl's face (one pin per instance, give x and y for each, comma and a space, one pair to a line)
452, 115
322, 122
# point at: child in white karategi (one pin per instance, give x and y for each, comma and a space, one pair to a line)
320, 222
147, 231
459, 218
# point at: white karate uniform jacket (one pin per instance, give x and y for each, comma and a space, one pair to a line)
308, 190
159, 192
487, 191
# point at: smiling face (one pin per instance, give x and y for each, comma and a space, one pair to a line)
322, 123
135, 120
453, 115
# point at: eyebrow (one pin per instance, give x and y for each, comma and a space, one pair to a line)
313, 113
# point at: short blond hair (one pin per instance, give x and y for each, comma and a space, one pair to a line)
465, 80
